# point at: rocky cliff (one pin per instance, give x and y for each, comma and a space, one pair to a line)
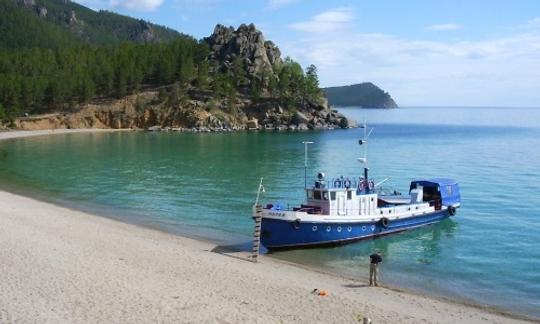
246, 44
148, 110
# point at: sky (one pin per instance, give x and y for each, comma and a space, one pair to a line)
423, 52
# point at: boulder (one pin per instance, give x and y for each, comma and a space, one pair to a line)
252, 123
300, 118
42, 12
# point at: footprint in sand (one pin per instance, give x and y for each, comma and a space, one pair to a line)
4, 316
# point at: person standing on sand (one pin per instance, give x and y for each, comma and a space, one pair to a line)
375, 259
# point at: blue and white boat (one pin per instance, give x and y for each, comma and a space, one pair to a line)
341, 210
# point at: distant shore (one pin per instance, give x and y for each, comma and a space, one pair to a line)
9, 134
62, 265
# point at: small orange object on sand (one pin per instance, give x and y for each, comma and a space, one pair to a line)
319, 292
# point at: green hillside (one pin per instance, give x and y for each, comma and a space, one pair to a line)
366, 95
58, 23
56, 56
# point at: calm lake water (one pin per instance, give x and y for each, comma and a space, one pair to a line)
203, 185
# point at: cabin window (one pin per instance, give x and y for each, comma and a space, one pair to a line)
317, 195
310, 194
349, 194
333, 195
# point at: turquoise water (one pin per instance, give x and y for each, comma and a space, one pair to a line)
203, 185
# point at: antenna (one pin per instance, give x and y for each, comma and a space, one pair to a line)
305, 162
364, 160
364, 142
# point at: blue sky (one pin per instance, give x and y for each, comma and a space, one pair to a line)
424, 52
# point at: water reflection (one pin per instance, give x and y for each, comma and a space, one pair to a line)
422, 245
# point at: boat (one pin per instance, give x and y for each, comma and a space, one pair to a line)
347, 209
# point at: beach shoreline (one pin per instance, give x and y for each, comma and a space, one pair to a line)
71, 266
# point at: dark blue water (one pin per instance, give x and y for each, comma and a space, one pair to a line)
204, 184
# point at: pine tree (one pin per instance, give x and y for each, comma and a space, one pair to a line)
202, 75
2, 113
311, 84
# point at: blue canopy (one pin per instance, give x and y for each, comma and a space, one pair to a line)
448, 188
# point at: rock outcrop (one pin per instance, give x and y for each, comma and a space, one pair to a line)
245, 43
145, 34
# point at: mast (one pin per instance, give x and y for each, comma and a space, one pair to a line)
364, 160
305, 162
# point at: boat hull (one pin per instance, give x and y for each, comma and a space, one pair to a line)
281, 234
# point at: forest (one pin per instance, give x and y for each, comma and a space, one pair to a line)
45, 67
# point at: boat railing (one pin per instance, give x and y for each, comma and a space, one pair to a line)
303, 208
345, 183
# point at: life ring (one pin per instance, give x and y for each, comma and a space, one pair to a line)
451, 210
385, 222
371, 185
347, 183
361, 185
337, 183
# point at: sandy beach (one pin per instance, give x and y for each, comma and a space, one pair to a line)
64, 266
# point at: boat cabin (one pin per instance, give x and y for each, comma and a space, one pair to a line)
341, 197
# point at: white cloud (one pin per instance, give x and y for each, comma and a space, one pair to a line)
276, 4
497, 71
200, 5
94, 4
139, 5
534, 23
328, 21
444, 27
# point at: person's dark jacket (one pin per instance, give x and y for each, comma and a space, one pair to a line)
375, 258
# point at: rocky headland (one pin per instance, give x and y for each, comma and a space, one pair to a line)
365, 95
255, 101
147, 111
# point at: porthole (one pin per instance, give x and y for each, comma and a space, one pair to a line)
363, 228
372, 227
349, 228
339, 228
328, 228
314, 228
382, 212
